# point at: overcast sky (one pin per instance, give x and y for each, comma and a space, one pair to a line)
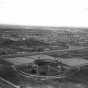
44, 12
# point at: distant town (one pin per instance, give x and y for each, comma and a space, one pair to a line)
27, 39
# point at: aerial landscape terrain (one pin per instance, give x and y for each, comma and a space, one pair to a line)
43, 57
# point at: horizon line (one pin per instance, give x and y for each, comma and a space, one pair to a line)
48, 27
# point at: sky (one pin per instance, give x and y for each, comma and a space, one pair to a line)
73, 13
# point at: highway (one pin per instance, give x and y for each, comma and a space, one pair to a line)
45, 52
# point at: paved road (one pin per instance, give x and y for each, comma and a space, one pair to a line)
25, 58
6, 84
46, 52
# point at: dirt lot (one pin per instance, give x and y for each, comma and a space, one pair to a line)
28, 59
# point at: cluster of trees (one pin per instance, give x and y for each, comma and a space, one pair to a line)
28, 42
30, 45
10, 46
